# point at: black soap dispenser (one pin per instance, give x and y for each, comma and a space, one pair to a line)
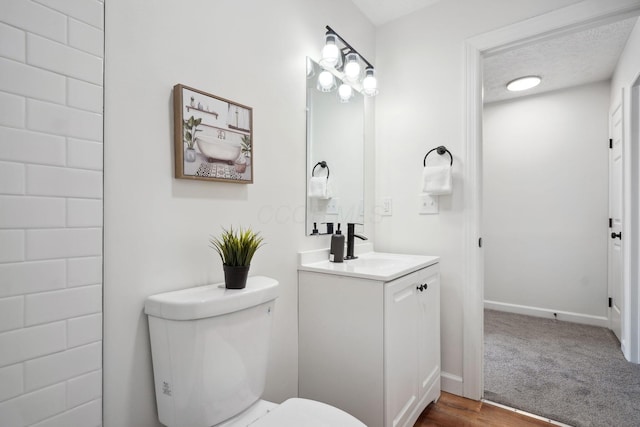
336, 253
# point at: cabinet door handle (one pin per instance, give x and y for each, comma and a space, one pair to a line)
423, 287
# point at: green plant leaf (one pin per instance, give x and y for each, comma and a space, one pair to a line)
237, 248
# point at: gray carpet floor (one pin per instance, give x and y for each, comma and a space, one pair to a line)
572, 373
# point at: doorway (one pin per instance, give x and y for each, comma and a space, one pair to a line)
561, 21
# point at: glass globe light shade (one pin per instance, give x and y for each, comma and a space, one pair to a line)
330, 56
370, 83
345, 92
352, 67
326, 81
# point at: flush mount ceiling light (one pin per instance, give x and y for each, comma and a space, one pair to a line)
347, 64
523, 83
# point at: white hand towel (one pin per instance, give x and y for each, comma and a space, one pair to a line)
319, 187
436, 180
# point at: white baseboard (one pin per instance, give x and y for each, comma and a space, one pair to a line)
451, 383
566, 316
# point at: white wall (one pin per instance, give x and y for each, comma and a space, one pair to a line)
420, 61
157, 227
545, 206
50, 212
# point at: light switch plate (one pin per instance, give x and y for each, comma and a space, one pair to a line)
387, 206
428, 204
333, 205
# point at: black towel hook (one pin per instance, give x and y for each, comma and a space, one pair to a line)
440, 150
323, 165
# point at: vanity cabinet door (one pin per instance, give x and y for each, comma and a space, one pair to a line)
429, 334
401, 349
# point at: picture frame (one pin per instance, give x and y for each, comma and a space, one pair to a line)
213, 137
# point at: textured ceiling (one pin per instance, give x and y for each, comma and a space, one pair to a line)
382, 11
570, 60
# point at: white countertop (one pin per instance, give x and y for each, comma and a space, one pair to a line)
369, 264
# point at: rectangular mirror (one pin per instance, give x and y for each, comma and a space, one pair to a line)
335, 136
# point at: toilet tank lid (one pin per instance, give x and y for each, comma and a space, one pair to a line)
211, 300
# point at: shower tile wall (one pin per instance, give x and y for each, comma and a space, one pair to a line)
51, 98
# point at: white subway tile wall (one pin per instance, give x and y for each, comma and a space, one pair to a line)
11, 313
12, 179
33, 407
19, 145
12, 43
11, 381
51, 162
12, 110
84, 388
31, 82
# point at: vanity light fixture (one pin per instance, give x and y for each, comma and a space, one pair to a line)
523, 83
348, 63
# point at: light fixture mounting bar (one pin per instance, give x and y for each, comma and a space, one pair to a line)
331, 31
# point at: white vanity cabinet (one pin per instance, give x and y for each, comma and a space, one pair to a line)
370, 347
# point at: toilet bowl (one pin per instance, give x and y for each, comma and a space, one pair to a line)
209, 347
292, 412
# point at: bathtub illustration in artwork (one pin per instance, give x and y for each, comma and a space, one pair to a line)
215, 148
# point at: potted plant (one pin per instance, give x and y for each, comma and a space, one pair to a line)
190, 129
241, 164
236, 249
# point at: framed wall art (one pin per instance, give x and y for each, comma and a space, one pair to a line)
213, 137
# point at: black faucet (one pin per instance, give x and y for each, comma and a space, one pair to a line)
351, 228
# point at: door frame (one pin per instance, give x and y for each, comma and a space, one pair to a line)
631, 293
585, 14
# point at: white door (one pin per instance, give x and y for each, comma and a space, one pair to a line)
615, 215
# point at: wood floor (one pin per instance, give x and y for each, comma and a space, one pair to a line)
455, 411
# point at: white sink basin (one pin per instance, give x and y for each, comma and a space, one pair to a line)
370, 265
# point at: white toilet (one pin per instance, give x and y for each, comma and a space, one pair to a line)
210, 347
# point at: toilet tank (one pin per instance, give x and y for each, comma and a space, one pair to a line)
209, 347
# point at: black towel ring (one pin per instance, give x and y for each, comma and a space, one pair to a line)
323, 165
441, 150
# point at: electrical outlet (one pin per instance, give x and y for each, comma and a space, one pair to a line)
428, 204
387, 206
333, 206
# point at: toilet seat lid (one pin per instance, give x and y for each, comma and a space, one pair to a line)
307, 413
